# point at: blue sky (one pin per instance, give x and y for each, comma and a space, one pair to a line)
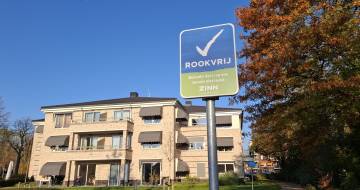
54, 52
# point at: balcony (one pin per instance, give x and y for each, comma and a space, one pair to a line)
109, 124
97, 153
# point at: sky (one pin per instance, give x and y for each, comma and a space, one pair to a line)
55, 52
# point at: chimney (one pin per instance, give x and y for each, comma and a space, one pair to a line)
188, 103
134, 94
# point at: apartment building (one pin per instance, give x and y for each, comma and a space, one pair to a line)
143, 140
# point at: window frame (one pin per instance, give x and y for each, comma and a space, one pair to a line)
155, 120
128, 143
191, 147
195, 123
62, 124
226, 170
122, 115
120, 141
225, 148
151, 146
89, 139
93, 120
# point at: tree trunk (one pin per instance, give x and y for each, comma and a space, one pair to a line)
17, 164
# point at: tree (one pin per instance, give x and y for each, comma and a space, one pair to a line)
3, 115
169, 152
301, 86
6, 155
19, 137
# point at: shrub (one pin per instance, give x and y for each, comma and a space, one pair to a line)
310, 187
190, 180
31, 179
350, 182
10, 182
188, 183
261, 177
229, 178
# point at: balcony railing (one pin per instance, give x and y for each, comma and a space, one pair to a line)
101, 120
99, 148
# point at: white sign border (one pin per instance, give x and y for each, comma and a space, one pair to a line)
235, 59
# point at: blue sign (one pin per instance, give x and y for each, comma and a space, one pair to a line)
208, 62
251, 164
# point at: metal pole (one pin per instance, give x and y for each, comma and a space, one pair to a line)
252, 179
212, 145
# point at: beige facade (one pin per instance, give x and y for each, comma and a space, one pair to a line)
129, 140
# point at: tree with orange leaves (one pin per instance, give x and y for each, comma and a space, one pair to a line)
301, 86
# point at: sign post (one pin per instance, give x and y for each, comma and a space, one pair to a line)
208, 70
252, 165
212, 144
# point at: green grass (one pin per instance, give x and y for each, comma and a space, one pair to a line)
259, 185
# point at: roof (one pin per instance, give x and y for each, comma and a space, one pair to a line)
38, 120
128, 100
196, 109
112, 101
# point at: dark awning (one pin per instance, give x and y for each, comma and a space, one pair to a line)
223, 120
182, 166
225, 141
53, 168
181, 139
150, 111
150, 136
57, 141
39, 129
181, 115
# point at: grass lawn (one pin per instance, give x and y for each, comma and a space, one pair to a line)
259, 185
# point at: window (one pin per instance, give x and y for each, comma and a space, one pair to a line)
88, 142
117, 141
152, 119
92, 117
63, 120
151, 173
225, 148
182, 174
129, 140
121, 115
223, 168
196, 145
114, 174
151, 145
100, 143
86, 174
127, 171
199, 121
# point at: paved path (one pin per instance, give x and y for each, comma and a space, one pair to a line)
289, 186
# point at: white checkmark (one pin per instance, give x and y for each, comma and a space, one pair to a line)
208, 45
